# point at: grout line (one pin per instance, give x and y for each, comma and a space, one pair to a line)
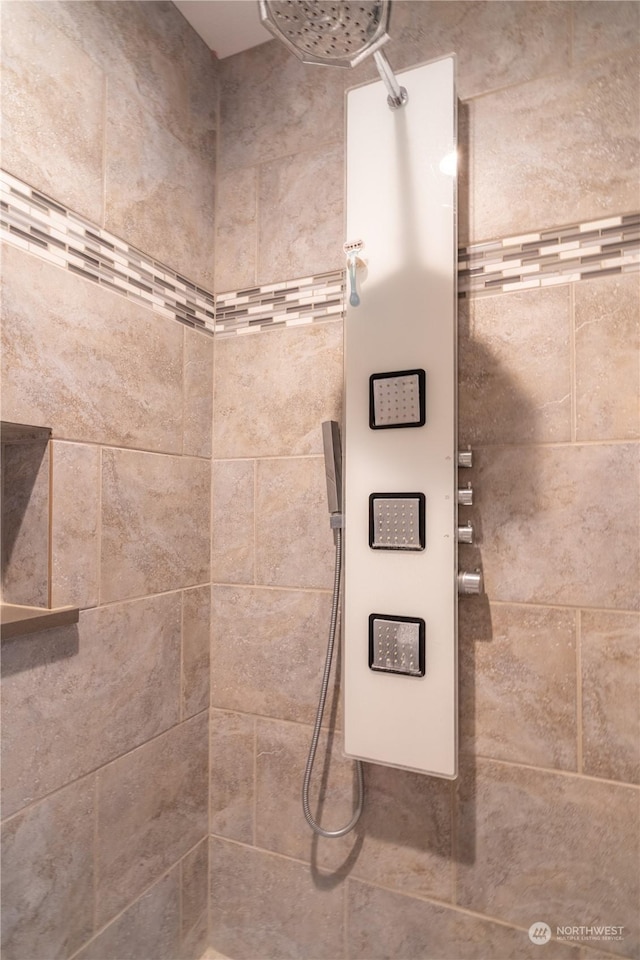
96, 771
212, 531
256, 210
266, 718
579, 711
99, 527
183, 402
180, 900
96, 872
255, 781
181, 697
254, 545
268, 586
130, 449
573, 370
103, 179
562, 606
267, 457
572, 30
345, 918
421, 898
454, 843
553, 771
555, 444
50, 529
97, 932
210, 768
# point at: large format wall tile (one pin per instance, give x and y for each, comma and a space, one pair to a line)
159, 193
519, 176
607, 332
52, 111
233, 521
603, 26
280, 411
281, 756
560, 524
48, 876
74, 698
75, 494
407, 829
300, 228
198, 394
148, 928
236, 230
496, 44
196, 642
267, 649
610, 652
161, 103
514, 382
267, 89
529, 842
388, 926
518, 684
152, 808
152, 49
155, 523
294, 544
265, 906
231, 788
86, 362
403, 839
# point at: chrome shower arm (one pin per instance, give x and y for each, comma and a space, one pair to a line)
398, 96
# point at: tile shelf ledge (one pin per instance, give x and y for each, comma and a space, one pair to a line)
18, 620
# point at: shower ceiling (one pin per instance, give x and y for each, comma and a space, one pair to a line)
226, 26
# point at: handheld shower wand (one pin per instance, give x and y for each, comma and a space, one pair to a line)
333, 471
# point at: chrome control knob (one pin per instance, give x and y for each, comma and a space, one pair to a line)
465, 458
465, 534
470, 583
465, 496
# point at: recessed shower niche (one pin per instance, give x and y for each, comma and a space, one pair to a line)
26, 532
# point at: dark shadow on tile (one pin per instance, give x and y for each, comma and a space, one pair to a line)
37, 649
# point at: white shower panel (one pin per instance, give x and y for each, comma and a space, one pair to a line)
400, 584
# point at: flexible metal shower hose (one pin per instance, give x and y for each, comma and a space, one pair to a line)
320, 831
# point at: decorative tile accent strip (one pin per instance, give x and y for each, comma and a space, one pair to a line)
44, 227
34, 222
576, 252
287, 304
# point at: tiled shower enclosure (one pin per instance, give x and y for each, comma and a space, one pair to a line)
172, 309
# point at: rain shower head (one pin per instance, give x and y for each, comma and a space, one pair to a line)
341, 33
338, 34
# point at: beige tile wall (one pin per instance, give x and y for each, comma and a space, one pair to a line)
125, 133
111, 109
542, 824
107, 749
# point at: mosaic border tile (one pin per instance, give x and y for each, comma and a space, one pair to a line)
566, 254
290, 303
34, 222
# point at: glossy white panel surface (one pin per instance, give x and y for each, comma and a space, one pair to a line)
401, 203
